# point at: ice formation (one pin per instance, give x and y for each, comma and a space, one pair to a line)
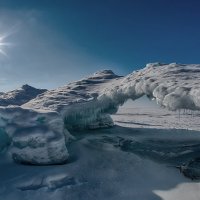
39, 128
36, 137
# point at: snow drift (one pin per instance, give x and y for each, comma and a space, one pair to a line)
88, 103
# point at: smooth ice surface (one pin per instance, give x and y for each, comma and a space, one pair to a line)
143, 113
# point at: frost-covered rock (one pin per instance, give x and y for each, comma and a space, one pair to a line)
19, 96
191, 169
89, 102
36, 137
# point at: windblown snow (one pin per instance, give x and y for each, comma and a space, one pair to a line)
39, 129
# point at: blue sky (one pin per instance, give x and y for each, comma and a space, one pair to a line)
55, 42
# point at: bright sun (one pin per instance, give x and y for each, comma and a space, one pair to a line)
3, 45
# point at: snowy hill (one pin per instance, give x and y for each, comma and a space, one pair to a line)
19, 96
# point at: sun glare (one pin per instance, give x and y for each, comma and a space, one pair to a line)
3, 45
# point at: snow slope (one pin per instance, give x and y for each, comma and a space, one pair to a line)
88, 103
19, 96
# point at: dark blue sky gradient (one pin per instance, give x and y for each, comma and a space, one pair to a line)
122, 35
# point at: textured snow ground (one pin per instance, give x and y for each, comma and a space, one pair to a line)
97, 170
101, 168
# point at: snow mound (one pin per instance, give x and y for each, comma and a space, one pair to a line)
88, 103
19, 96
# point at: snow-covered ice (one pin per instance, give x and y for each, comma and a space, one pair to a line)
88, 103
35, 137
149, 154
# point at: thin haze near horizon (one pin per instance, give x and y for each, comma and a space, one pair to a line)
50, 43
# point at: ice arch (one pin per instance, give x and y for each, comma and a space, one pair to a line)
88, 103
90, 100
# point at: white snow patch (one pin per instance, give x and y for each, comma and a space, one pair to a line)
183, 191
